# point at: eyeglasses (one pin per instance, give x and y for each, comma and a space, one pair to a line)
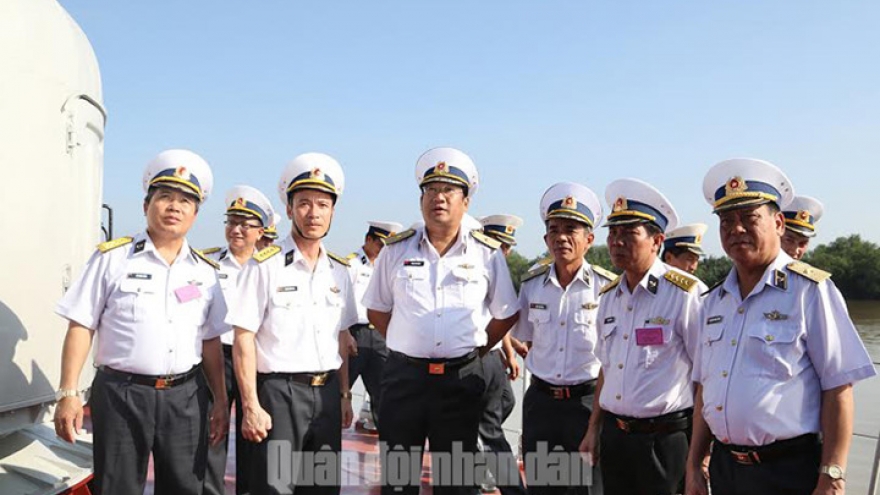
231, 224
446, 191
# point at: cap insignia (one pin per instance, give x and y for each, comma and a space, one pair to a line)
735, 185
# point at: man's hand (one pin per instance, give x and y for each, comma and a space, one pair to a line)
520, 348
351, 344
347, 413
219, 422
695, 480
589, 447
255, 424
828, 486
510, 364
69, 418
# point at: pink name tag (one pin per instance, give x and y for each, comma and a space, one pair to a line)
649, 336
187, 293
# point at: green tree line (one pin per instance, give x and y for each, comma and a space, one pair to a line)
853, 262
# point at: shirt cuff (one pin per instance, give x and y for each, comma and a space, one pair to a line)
848, 377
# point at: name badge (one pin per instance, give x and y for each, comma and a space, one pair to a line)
288, 288
141, 276
714, 319
223, 276
610, 319
649, 336
187, 293
537, 306
413, 263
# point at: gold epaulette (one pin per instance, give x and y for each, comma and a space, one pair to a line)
537, 272
115, 243
210, 250
681, 280
485, 240
604, 273
204, 258
267, 253
339, 259
351, 256
808, 271
607, 287
406, 234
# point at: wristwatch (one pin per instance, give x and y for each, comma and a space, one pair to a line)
66, 392
833, 471
346, 395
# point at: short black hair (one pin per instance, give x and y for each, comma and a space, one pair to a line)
674, 251
652, 228
290, 195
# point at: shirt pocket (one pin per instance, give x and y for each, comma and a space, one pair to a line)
710, 342
135, 298
335, 304
469, 287
286, 298
776, 347
413, 282
608, 333
585, 330
649, 354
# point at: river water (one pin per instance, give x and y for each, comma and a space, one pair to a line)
866, 315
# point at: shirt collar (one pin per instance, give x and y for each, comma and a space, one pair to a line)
775, 276
289, 249
144, 244
650, 282
582, 275
461, 241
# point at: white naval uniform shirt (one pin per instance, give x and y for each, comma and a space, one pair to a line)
561, 324
764, 361
361, 271
149, 317
296, 312
645, 381
440, 306
228, 274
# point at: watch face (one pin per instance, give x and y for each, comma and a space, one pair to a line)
835, 472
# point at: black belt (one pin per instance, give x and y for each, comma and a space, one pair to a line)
357, 327
666, 423
439, 366
159, 382
562, 392
311, 379
749, 455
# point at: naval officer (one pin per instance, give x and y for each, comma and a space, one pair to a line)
369, 361
801, 216
156, 308
294, 300
248, 214
558, 307
647, 324
442, 295
777, 356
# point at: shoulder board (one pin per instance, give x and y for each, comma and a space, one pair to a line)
808, 271
339, 259
603, 272
406, 234
537, 272
267, 253
717, 285
681, 280
485, 240
210, 250
204, 258
351, 256
115, 243
607, 287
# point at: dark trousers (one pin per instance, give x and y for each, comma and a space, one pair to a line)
556, 424
642, 463
132, 421
369, 364
304, 419
795, 474
442, 408
499, 400
216, 473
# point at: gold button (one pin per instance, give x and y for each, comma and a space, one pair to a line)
620, 366
719, 408
733, 342
724, 374
617, 397
625, 336
741, 310
769, 338
629, 308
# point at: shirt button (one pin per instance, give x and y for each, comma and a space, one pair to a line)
625, 336
724, 374
561, 323
561, 349
439, 344
719, 408
620, 366
629, 308
589, 322
733, 342
769, 338
617, 396
741, 310
558, 375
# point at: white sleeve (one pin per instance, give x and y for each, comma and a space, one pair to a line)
248, 307
85, 300
380, 292
503, 302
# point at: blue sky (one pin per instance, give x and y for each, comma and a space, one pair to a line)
535, 92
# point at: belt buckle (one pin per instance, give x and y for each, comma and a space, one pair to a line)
436, 368
745, 458
623, 425
163, 383
560, 393
318, 380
